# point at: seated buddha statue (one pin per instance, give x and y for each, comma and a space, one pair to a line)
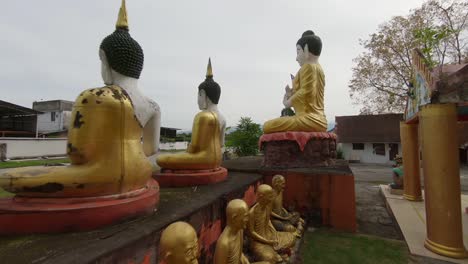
280, 217
106, 131
179, 244
204, 151
265, 241
307, 93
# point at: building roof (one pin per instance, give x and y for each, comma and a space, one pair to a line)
53, 105
9, 109
368, 128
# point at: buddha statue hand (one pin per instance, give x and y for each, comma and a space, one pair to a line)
287, 95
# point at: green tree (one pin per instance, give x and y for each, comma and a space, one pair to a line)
382, 73
245, 138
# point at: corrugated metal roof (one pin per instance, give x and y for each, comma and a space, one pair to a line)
369, 128
9, 109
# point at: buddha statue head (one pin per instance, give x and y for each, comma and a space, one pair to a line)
278, 183
265, 194
179, 244
121, 55
308, 47
208, 91
237, 214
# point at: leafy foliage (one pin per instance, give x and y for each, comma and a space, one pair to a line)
383, 73
244, 140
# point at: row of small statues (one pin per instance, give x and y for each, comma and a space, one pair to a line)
115, 129
271, 229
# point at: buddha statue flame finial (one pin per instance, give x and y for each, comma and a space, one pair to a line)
209, 69
122, 21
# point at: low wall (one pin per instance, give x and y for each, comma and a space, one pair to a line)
34, 147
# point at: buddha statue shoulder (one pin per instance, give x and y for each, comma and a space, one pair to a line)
281, 218
204, 150
307, 93
179, 244
104, 137
265, 241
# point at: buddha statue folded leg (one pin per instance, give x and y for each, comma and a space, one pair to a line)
307, 123
189, 161
264, 252
71, 181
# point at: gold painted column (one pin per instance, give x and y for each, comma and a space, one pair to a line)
411, 168
438, 130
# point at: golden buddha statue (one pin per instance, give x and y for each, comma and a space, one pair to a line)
265, 241
204, 151
104, 137
307, 94
280, 217
179, 244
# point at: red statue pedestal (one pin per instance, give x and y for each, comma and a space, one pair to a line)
184, 178
23, 215
298, 149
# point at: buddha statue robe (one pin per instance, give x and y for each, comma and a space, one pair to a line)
261, 228
307, 101
283, 220
104, 145
204, 152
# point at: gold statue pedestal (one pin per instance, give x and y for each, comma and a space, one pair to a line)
294, 149
55, 215
184, 178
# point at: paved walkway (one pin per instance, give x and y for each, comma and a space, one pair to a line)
411, 217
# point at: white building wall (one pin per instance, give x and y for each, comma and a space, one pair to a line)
173, 146
367, 155
61, 123
34, 147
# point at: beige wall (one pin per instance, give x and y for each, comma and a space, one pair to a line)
34, 147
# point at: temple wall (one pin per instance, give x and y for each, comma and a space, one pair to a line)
34, 147
367, 155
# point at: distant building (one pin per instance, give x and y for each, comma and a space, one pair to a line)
17, 121
369, 138
56, 116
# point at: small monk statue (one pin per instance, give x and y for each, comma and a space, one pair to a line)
231, 241
307, 94
179, 244
204, 151
280, 217
265, 241
106, 132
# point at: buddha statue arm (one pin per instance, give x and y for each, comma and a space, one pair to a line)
254, 235
307, 84
151, 133
221, 252
280, 217
201, 121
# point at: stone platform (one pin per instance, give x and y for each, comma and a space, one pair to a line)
411, 218
26, 215
298, 149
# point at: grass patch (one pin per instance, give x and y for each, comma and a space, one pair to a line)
4, 194
26, 163
324, 246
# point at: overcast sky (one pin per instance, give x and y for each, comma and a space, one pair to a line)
49, 50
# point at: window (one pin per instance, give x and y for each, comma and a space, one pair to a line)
379, 148
52, 116
358, 146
